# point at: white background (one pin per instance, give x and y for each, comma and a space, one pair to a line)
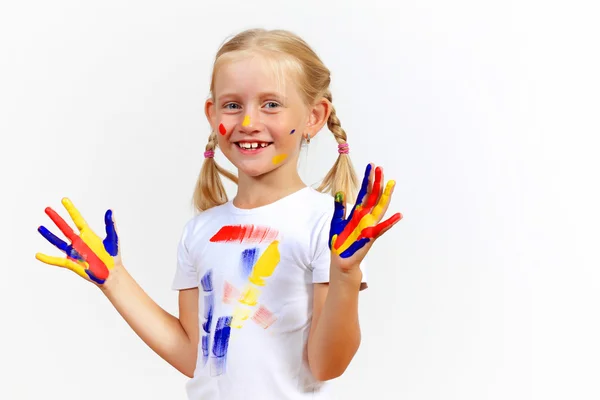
485, 113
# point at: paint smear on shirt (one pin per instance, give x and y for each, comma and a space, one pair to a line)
209, 305
230, 293
245, 234
279, 158
266, 264
240, 314
247, 260
264, 317
221, 342
250, 295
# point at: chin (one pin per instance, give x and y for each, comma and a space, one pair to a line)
253, 169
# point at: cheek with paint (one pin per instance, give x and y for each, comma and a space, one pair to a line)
222, 129
279, 158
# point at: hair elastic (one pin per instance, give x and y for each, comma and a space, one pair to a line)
209, 154
343, 148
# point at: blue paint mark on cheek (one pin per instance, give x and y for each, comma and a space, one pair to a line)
292, 132
247, 261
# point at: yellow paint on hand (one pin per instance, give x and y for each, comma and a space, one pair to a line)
279, 158
250, 295
246, 121
370, 219
87, 235
383, 200
266, 264
77, 267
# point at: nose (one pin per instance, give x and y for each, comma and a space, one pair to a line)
250, 123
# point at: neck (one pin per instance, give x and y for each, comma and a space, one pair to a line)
257, 191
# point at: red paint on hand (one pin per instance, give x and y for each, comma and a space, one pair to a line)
373, 232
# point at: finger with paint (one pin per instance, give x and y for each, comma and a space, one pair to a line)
348, 235
87, 255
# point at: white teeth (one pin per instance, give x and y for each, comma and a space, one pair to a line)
255, 145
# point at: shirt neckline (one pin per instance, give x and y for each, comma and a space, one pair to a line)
267, 207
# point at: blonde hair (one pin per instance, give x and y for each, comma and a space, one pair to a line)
313, 80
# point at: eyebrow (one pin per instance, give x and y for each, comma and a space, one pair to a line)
276, 95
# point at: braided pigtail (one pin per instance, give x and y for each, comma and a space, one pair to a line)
209, 191
342, 176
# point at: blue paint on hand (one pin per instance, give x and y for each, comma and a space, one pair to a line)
93, 277
111, 243
354, 247
338, 222
60, 244
364, 188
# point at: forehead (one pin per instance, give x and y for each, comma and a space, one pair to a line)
253, 73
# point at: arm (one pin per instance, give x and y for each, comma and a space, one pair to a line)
174, 339
99, 261
335, 332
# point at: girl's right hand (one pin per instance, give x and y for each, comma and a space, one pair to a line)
88, 256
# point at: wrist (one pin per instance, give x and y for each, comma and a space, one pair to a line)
351, 277
112, 280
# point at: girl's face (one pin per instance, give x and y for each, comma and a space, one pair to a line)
259, 122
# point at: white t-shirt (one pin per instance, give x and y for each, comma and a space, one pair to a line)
255, 270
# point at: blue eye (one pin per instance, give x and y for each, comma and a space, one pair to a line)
272, 104
230, 105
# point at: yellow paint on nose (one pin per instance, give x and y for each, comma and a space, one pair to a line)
246, 121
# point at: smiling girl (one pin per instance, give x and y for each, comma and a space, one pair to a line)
268, 281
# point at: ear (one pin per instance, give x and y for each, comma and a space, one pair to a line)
210, 112
319, 114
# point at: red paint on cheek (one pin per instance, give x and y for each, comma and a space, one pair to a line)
222, 129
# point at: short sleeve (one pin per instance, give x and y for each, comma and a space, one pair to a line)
186, 274
322, 260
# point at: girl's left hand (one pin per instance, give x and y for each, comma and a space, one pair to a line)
351, 238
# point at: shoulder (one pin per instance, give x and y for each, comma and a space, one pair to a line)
202, 219
316, 207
